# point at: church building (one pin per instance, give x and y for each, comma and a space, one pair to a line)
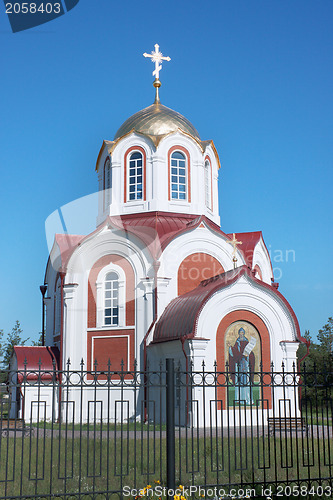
158, 277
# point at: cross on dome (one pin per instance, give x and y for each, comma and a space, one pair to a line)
157, 58
234, 242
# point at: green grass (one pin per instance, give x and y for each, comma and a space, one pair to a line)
37, 466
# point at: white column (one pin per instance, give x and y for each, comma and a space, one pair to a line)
117, 189
197, 354
147, 310
289, 350
162, 298
69, 332
48, 302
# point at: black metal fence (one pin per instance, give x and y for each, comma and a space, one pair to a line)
105, 434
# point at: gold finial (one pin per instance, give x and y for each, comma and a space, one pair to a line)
157, 85
157, 58
234, 242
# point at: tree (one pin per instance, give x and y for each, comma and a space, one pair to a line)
320, 352
7, 346
2, 373
317, 367
38, 342
303, 349
1, 346
325, 337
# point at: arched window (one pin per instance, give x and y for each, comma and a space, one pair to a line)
111, 299
208, 184
178, 176
107, 183
135, 176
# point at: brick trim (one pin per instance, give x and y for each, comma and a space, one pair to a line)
201, 265
116, 336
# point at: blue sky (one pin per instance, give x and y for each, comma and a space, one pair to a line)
256, 77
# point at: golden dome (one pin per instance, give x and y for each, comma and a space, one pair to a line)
157, 121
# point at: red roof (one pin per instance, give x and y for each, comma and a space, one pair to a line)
249, 241
67, 244
36, 361
180, 317
155, 229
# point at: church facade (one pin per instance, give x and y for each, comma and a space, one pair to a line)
158, 277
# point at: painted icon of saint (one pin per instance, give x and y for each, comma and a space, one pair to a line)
241, 366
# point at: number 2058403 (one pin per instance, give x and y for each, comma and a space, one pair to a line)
304, 491
33, 8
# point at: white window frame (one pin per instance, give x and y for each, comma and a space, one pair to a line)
100, 297
178, 167
208, 183
107, 183
136, 176
111, 296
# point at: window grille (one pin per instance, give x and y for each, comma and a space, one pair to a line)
208, 184
107, 184
111, 299
135, 176
178, 176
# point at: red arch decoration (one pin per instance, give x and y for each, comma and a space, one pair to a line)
130, 287
195, 268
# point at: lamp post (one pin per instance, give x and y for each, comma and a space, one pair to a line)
43, 289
